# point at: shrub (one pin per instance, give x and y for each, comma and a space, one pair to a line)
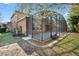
2, 30
73, 21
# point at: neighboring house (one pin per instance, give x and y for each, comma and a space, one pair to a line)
9, 26
2, 25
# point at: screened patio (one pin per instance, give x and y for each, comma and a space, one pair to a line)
45, 25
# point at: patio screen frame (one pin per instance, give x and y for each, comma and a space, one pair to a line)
57, 31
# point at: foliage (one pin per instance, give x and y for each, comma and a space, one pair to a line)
74, 18
33, 8
74, 10
2, 30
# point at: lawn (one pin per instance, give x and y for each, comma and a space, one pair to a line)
7, 38
68, 46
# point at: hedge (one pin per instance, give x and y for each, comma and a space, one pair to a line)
2, 30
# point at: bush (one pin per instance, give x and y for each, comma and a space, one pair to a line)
72, 22
2, 30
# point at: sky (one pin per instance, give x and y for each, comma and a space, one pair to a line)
64, 10
6, 11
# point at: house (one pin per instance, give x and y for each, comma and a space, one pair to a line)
40, 25
19, 22
9, 26
2, 25
22, 24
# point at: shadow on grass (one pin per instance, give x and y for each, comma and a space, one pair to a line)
59, 41
67, 48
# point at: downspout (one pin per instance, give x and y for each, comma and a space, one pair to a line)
32, 25
26, 27
51, 27
42, 30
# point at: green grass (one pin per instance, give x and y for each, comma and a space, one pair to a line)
71, 39
69, 44
7, 38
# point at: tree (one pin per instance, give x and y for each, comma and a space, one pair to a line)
74, 18
74, 10
32, 8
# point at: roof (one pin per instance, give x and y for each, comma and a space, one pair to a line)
21, 19
20, 13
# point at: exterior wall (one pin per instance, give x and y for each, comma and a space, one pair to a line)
9, 27
22, 25
14, 27
41, 25
17, 16
19, 23
1, 24
29, 25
